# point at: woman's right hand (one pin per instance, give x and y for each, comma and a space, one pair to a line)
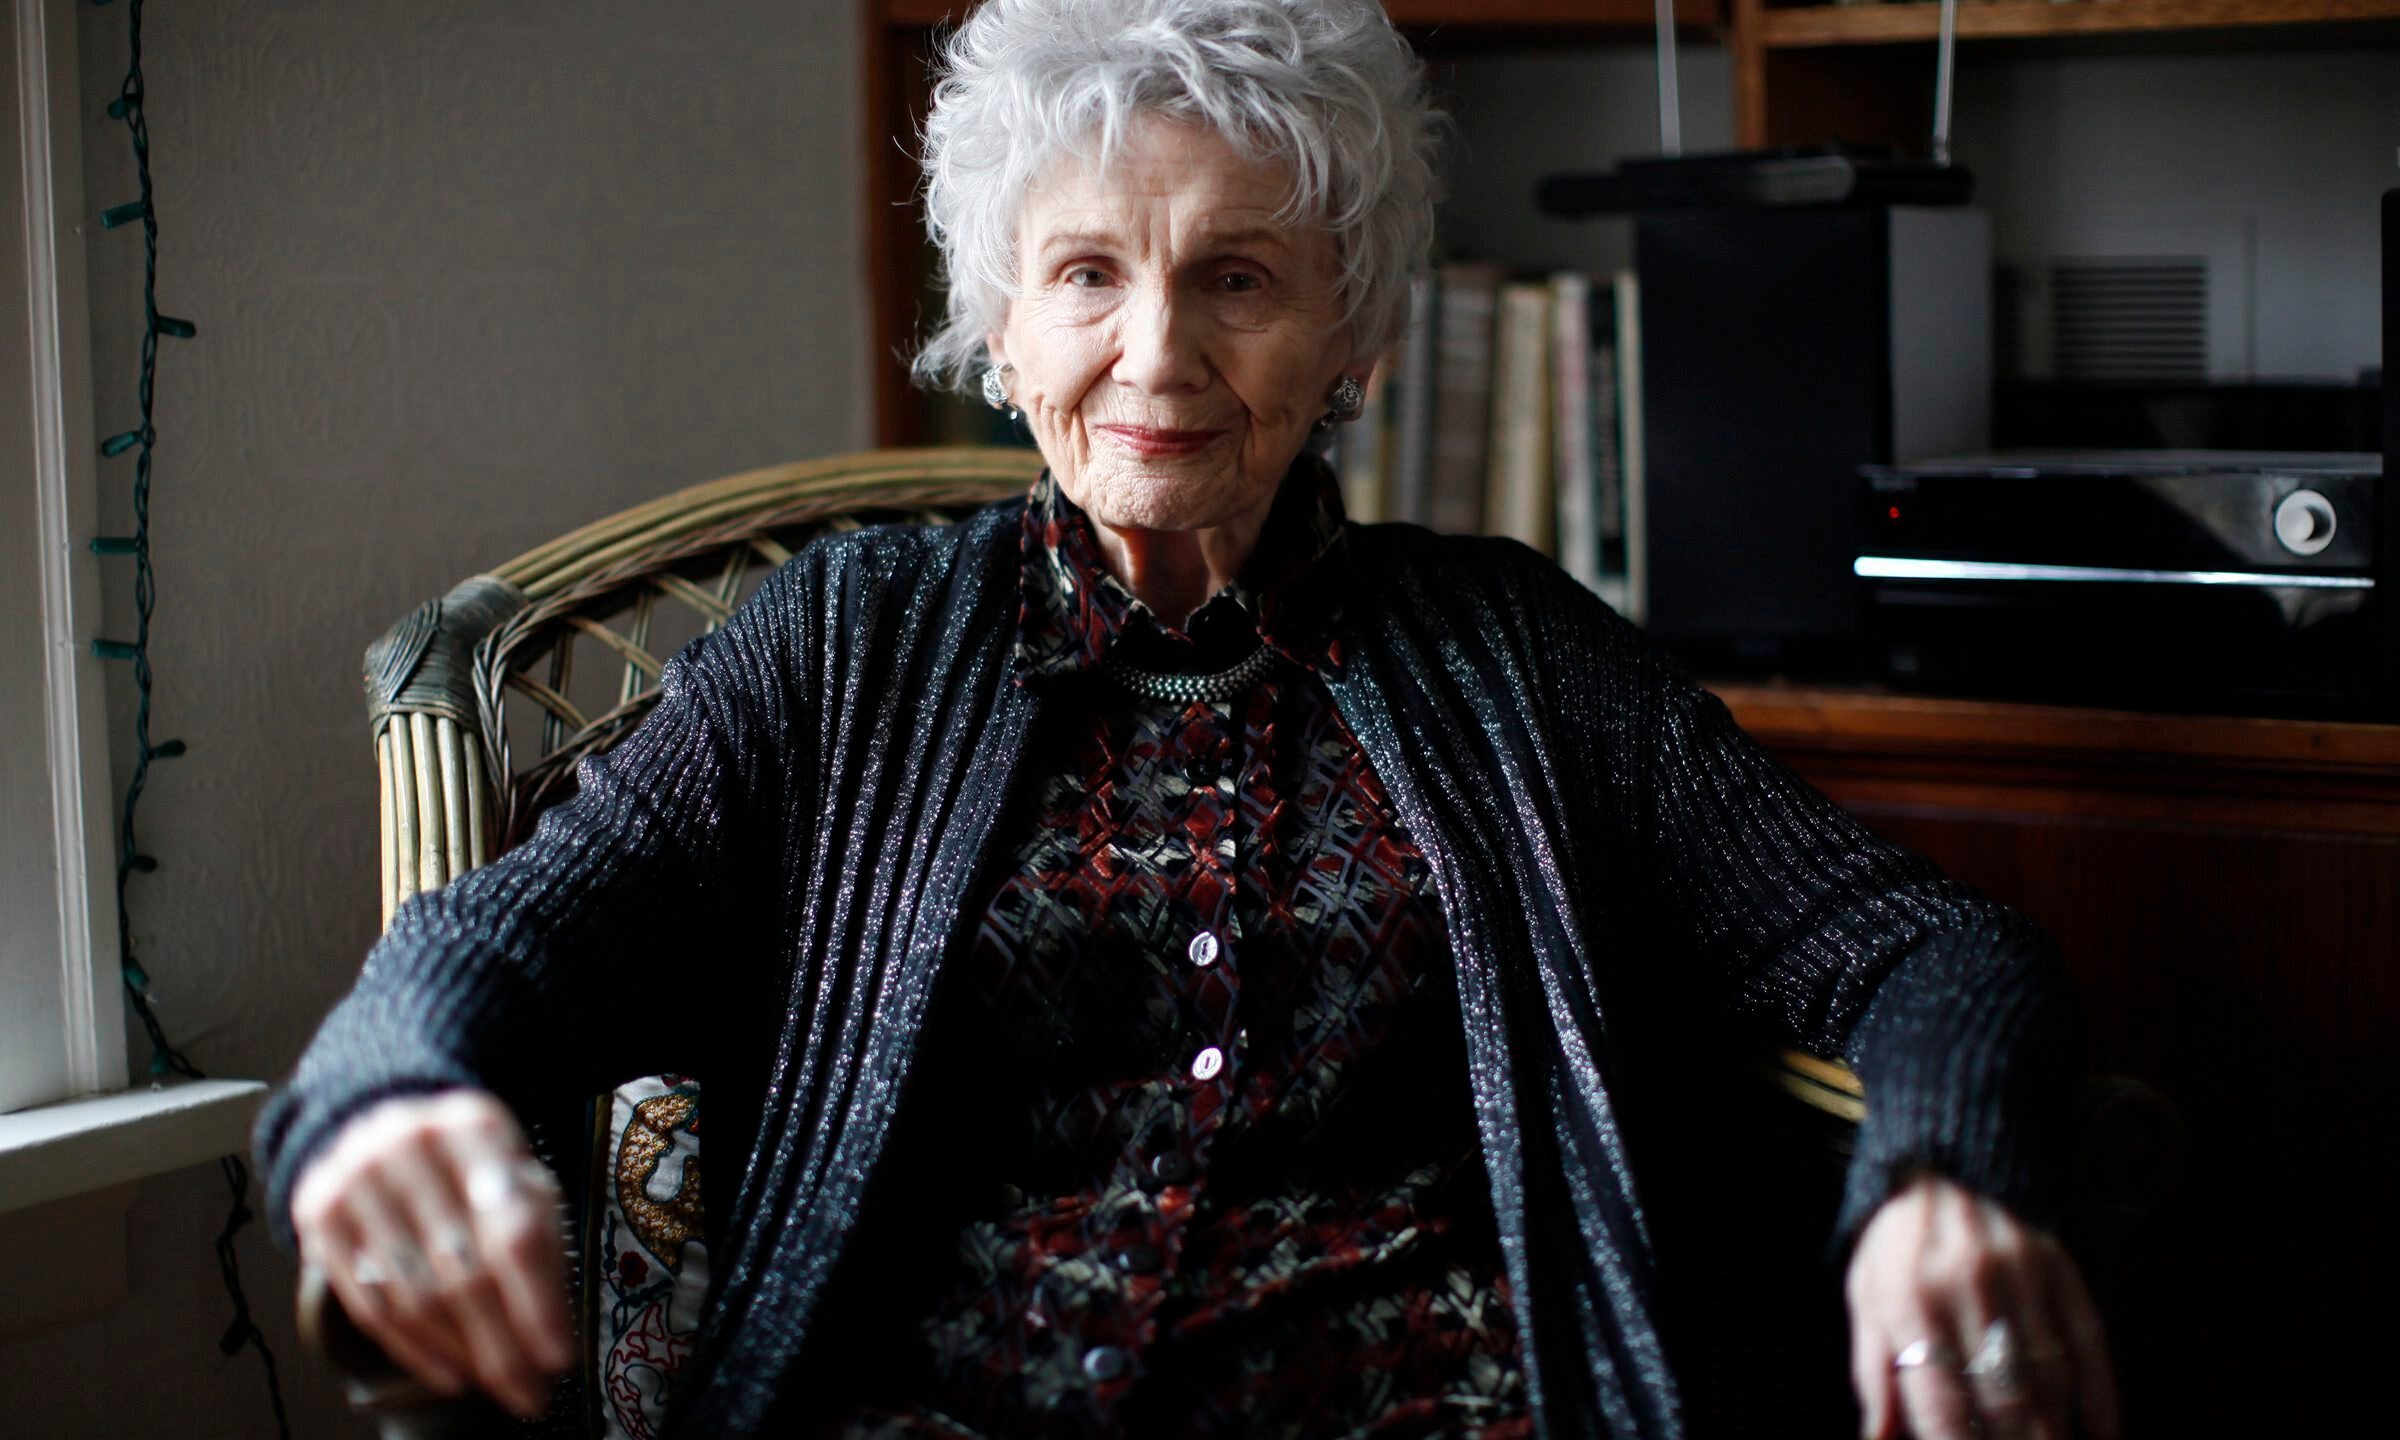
440, 1232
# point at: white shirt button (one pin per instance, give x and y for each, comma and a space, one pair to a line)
1203, 949
1207, 1063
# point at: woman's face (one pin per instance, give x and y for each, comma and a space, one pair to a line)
1172, 340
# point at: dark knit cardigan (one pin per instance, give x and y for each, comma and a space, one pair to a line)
760, 885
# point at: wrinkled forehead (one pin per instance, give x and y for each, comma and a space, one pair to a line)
1168, 183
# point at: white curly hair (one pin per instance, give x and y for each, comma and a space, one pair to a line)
1326, 86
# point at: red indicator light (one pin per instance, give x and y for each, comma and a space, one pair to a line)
1894, 512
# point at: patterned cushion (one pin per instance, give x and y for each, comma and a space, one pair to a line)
648, 1268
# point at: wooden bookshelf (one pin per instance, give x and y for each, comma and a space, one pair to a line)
1805, 73
1805, 26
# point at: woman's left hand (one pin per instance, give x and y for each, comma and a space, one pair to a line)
1966, 1322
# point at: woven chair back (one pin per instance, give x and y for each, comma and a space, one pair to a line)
483, 701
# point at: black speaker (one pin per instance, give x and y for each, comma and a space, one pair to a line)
1781, 349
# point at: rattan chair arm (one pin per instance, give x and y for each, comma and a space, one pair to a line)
426, 663
1821, 1084
2126, 1138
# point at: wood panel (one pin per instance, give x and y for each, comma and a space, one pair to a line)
1749, 75
2064, 761
2248, 976
1875, 96
2227, 893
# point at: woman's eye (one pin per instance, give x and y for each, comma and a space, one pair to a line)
1086, 277
1239, 282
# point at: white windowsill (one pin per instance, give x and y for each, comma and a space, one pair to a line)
94, 1142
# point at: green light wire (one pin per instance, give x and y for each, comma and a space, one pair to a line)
165, 1059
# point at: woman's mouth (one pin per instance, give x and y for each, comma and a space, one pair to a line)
1152, 442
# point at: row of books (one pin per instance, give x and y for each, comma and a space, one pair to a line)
1513, 407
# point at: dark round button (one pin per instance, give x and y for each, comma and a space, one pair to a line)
1139, 1259
1106, 1362
1172, 1168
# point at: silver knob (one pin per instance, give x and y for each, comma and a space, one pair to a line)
2304, 522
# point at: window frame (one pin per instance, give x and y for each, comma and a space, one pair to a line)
59, 972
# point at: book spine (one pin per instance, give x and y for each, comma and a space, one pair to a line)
1412, 410
1608, 467
1462, 424
1518, 496
1571, 438
1629, 428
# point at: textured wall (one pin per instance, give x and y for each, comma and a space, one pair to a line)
2295, 146
1526, 114
467, 275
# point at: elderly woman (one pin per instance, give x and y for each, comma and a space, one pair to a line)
1164, 959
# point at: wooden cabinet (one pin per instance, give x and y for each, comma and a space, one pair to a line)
2227, 892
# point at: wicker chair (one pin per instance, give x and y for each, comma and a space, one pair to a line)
480, 712
483, 701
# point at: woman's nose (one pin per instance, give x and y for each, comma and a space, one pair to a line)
1160, 351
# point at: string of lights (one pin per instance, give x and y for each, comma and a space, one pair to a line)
165, 1059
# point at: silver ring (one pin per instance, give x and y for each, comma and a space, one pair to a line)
1923, 1352
365, 1273
456, 1244
496, 1185
1998, 1361
409, 1267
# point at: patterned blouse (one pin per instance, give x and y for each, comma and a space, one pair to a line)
1207, 1038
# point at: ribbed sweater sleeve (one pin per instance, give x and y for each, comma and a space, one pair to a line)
501, 979
1954, 1011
